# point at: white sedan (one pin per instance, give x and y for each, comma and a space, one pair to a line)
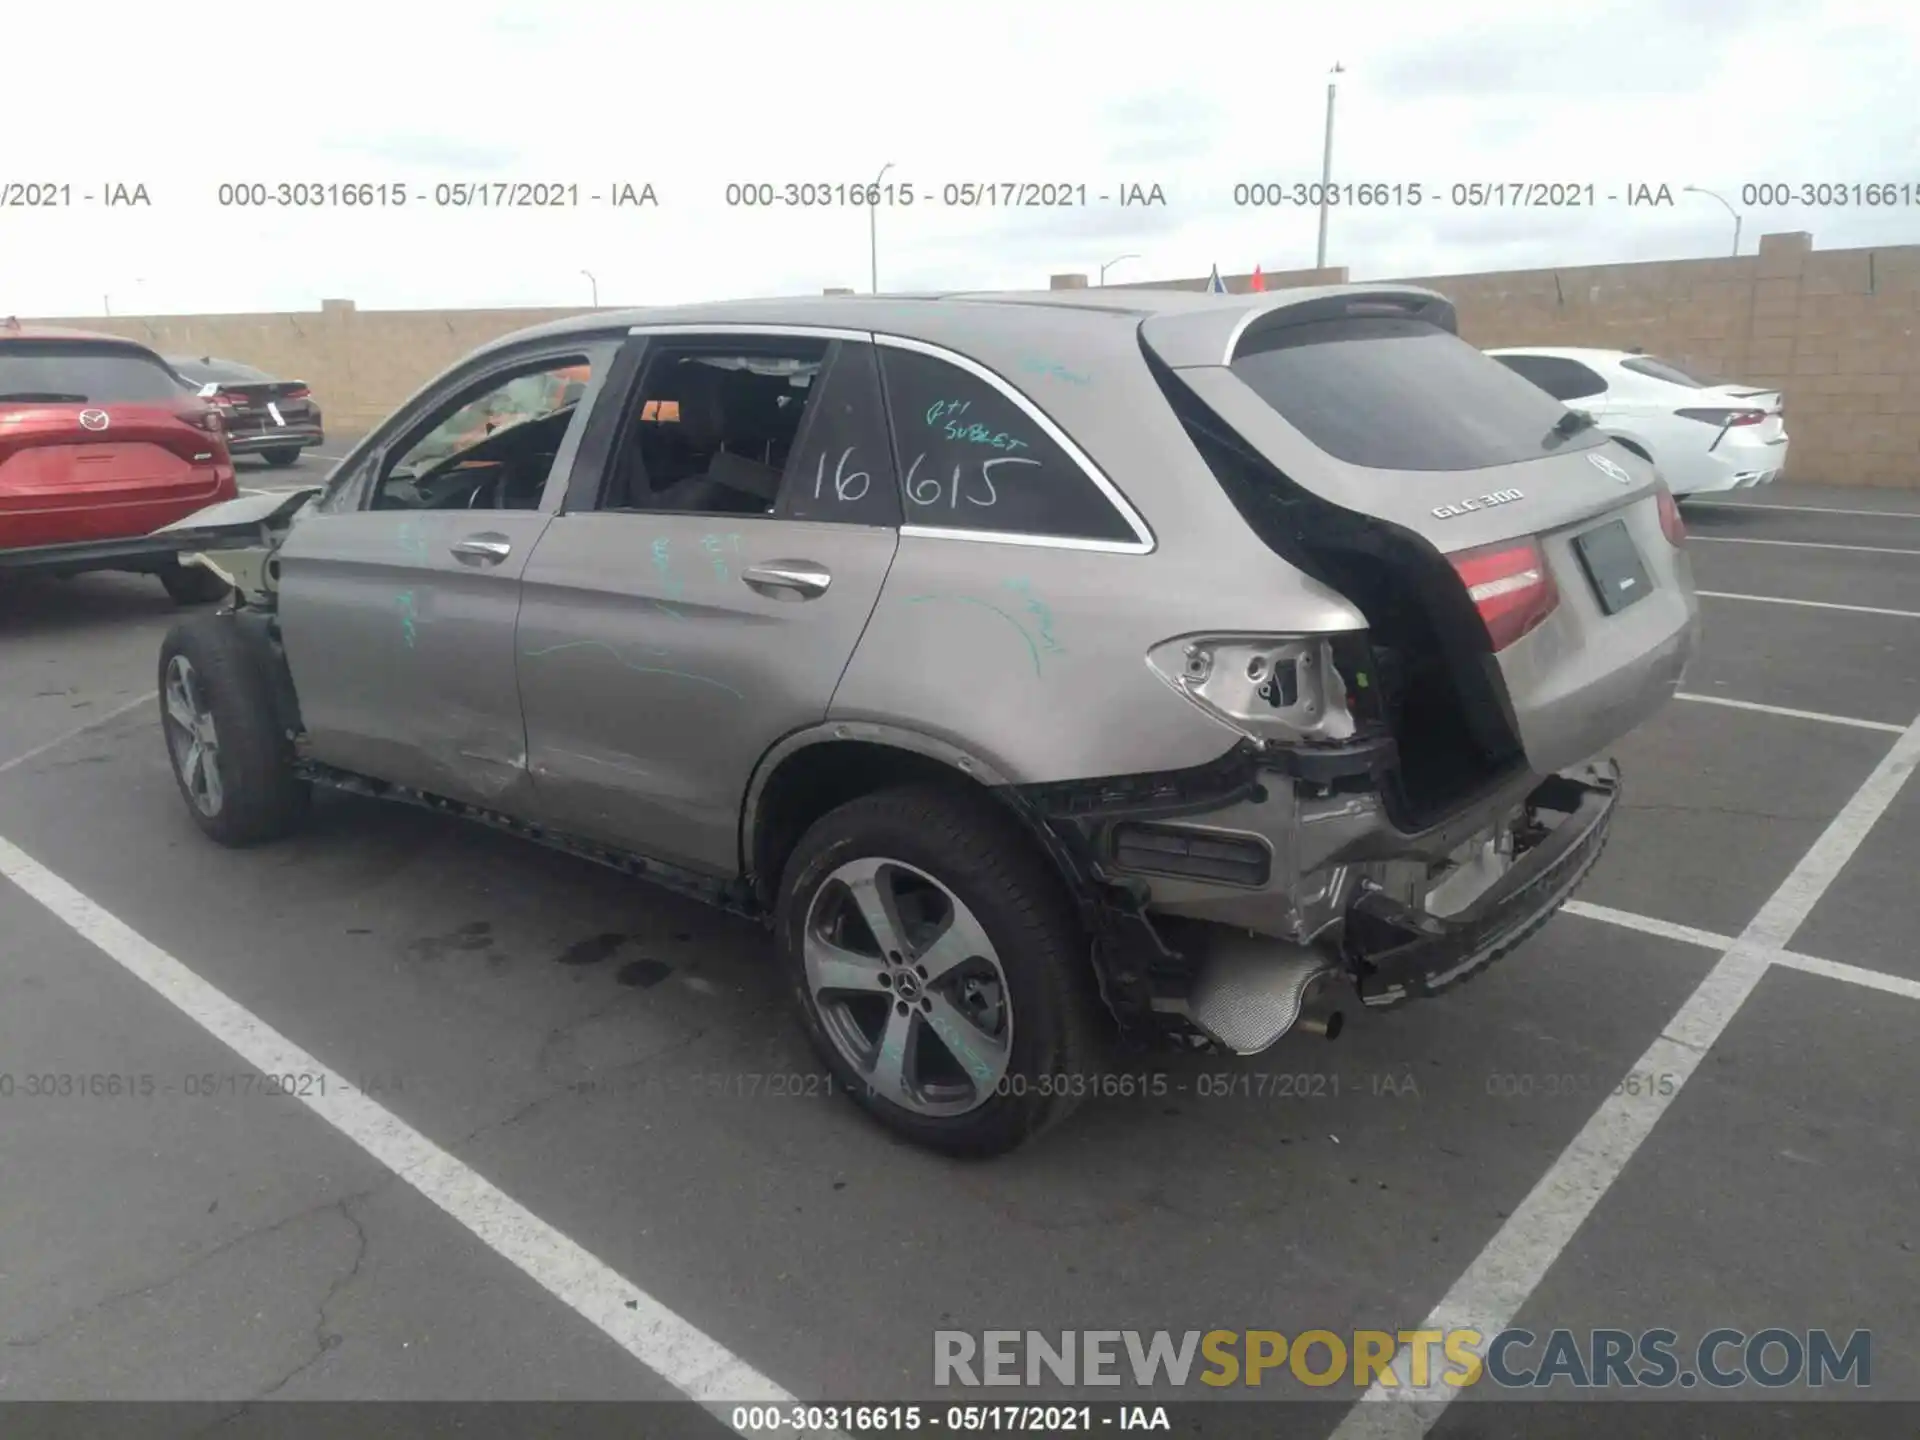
1702, 435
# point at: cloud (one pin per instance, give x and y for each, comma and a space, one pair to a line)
434, 152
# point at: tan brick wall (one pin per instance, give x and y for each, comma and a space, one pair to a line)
1835, 329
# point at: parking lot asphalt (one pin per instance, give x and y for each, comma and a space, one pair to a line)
621, 1176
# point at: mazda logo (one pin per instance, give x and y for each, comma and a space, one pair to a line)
94, 419
1610, 469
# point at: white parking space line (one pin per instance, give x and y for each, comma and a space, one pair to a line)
1800, 544
1786, 959
1791, 714
1810, 604
693, 1362
1649, 925
78, 730
1803, 509
1517, 1258
1852, 974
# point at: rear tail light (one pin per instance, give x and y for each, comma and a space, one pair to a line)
203, 417
1724, 419
1671, 525
226, 401
299, 392
1511, 587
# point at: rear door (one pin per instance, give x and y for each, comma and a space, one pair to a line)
98, 441
400, 591
1370, 401
724, 543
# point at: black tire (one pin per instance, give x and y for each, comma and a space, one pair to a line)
259, 796
980, 853
281, 458
192, 584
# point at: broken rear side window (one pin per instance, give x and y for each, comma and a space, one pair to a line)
1392, 393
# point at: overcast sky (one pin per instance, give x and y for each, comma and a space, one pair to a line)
1194, 98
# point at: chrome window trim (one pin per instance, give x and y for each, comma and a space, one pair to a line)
1014, 537
1142, 544
737, 329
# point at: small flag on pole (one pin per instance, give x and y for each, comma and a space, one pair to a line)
1215, 285
1259, 280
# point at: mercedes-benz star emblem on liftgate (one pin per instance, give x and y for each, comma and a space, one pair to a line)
94, 419
1478, 502
1610, 469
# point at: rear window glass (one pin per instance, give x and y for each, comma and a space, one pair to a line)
103, 374
971, 459
1663, 370
1392, 393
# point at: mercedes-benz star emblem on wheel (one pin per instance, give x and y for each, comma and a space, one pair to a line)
94, 419
1610, 469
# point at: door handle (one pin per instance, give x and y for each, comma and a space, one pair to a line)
491, 549
789, 579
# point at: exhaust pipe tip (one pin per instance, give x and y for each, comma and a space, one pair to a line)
1329, 1023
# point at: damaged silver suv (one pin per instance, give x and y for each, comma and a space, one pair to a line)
1041, 669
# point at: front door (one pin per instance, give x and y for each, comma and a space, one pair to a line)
705, 586
399, 597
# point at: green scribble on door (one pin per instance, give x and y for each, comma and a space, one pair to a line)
663, 567
409, 614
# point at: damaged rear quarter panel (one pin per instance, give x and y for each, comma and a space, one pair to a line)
1032, 656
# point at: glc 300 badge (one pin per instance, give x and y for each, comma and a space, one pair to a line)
1479, 502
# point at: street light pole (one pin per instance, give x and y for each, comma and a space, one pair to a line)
1326, 172
1696, 190
1113, 262
873, 230
596, 287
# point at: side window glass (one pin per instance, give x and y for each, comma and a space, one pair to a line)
1582, 382
714, 426
843, 469
971, 459
1529, 367
489, 448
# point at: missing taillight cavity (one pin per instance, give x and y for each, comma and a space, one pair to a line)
1511, 586
1671, 525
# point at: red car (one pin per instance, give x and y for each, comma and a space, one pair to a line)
100, 445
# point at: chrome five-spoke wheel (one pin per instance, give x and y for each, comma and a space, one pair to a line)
191, 738
908, 987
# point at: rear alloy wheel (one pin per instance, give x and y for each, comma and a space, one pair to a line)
229, 757
193, 584
940, 971
281, 458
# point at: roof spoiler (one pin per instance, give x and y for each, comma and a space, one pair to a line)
1185, 339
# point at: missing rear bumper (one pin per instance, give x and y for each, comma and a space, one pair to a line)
1397, 952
